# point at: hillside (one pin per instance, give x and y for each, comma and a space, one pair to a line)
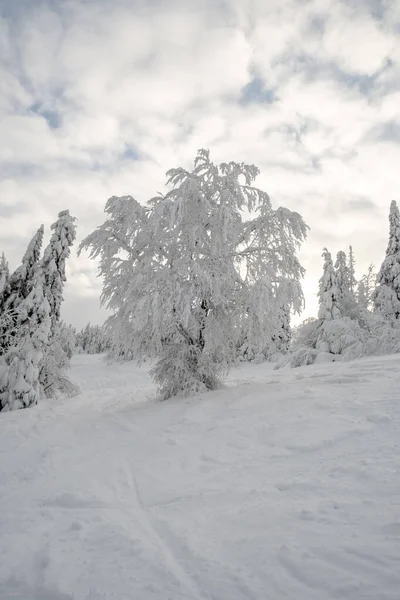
282, 485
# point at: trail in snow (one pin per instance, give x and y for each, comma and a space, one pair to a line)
282, 485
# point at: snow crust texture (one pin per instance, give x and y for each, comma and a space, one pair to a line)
282, 485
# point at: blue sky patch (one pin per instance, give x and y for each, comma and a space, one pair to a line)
255, 92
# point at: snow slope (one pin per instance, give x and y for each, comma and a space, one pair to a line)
283, 485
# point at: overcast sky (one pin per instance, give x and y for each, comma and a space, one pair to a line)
101, 97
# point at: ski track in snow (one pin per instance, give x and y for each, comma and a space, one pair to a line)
282, 485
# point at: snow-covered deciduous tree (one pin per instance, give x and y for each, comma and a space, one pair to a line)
181, 273
387, 295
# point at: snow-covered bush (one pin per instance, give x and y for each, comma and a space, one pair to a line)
184, 274
305, 334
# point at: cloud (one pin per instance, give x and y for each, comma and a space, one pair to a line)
101, 98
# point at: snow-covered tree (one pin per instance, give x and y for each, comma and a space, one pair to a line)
328, 293
33, 352
22, 280
18, 287
387, 295
352, 271
342, 272
67, 337
53, 277
19, 370
4, 278
93, 339
366, 288
6, 317
53, 262
346, 300
180, 273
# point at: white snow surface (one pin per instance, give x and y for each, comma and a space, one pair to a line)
283, 485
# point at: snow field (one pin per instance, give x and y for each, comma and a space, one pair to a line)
283, 485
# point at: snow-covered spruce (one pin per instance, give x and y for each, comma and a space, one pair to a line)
4, 278
19, 372
52, 276
187, 275
22, 280
346, 300
15, 288
53, 262
387, 295
352, 271
328, 294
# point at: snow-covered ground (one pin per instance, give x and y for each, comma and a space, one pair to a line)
285, 484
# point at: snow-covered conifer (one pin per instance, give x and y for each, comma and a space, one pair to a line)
4, 279
19, 373
22, 280
53, 262
53, 277
6, 320
342, 272
328, 290
346, 300
179, 273
352, 271
18, 287
387, 295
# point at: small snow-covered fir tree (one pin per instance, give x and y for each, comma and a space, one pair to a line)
387, 295
180, 273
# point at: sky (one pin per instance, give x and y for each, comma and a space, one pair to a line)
102, 97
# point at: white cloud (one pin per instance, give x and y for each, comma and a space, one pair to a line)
86, 86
